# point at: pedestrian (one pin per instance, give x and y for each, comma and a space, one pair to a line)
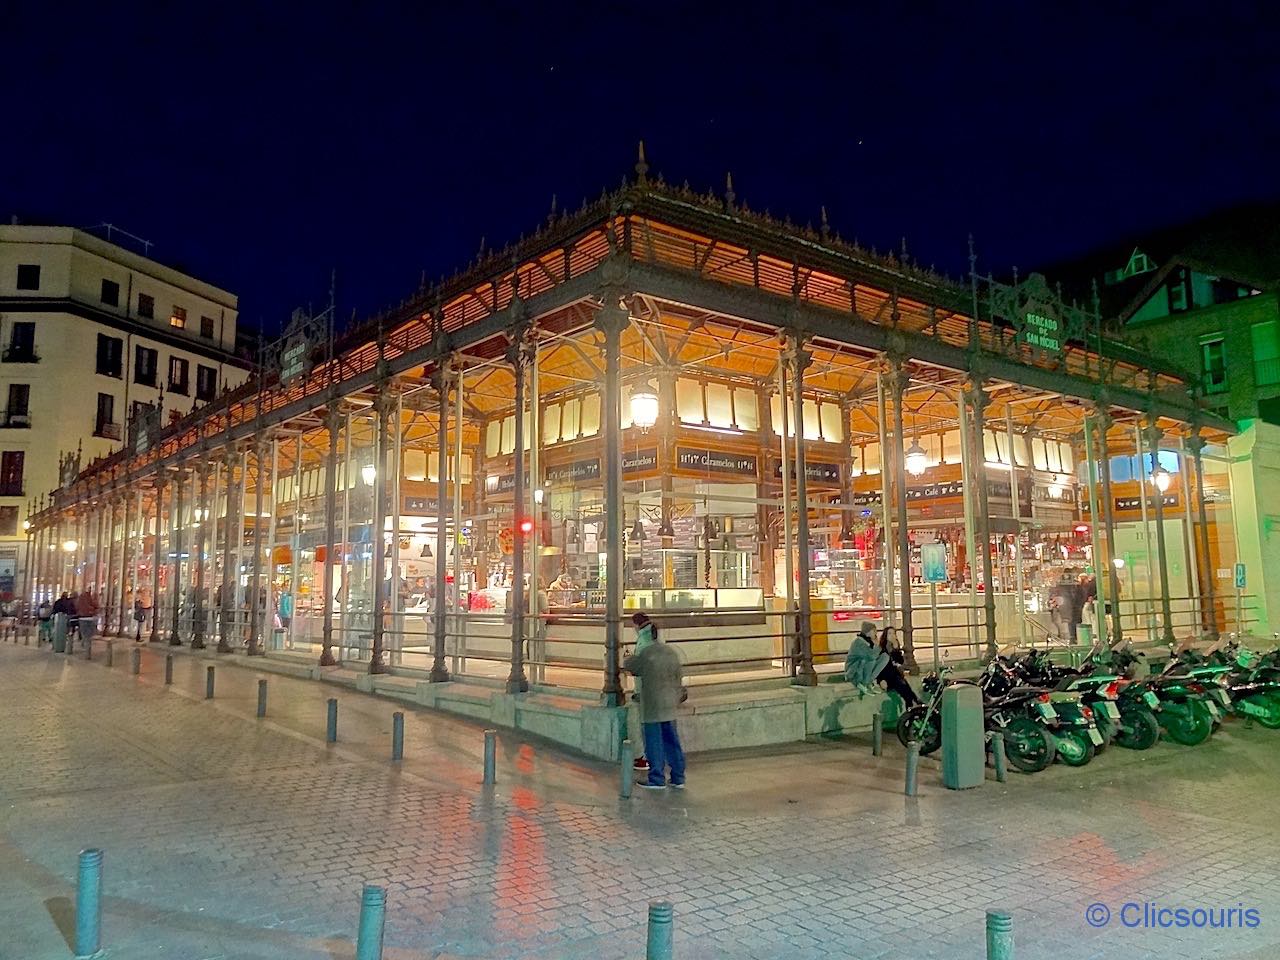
658, 669
44, 613
891, 674
864, 661
645, 633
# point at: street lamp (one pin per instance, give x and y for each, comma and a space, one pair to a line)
1118, 562
69, 546
1161, 478
367, 473
644, 407
916, 461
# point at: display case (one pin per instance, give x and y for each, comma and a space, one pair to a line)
696, 598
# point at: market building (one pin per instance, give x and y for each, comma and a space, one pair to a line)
760, 434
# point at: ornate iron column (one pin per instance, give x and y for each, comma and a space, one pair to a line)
1154, 435
383, 407
897, 381
155, 560
104, 589
175, 525
256, 606
978, 400
798, 360
1103, 421
97, 543
231, 528
1209, 610
612, 318
333, 423
438, 670
519, 355
202, 517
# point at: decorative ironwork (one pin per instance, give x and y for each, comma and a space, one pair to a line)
1043, 323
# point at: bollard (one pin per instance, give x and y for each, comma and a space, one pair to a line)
397, 737
168, 669
373, 915
877, 735
490, 756
627, 771
331, 726
88, 648
998, 758
110, 652
262, 697
658, 940
135, 661
999, 935
913, 763
89, 904
208, 683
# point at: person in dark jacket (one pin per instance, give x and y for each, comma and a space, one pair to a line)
658, 667
64, 604
891, 675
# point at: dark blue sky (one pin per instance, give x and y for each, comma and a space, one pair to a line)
261, 150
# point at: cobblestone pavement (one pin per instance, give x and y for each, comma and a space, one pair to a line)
230, 836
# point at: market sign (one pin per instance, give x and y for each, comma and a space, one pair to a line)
1041, 331
1134, 503
816, 471
427, 506
715, 461
573, 472
295, 359
638, 461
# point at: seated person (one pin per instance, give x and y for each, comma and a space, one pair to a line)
864, 661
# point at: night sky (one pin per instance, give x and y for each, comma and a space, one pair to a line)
261, 151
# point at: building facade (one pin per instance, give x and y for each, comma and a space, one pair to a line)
90, 330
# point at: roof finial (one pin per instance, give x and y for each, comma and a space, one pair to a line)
642, 166
553, 209
904, 249
825, 226
729, 195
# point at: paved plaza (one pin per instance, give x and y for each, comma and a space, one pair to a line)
232, 836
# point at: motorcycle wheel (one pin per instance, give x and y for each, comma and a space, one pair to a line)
1075, 749
912, 725
1139, 729
1027, 745
1271, 719
1189, 724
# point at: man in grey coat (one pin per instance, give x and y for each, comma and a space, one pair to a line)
658, 668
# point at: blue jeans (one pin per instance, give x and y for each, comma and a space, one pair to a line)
662, 749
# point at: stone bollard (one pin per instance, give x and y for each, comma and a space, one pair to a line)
208, 683
331, 724
262, 697
626, 771
877, 735
658, 940
89, 904
373, 916
397, 737
999, 935
913, 764
490, 757
135, 661
998, 757
168, 669
111, 651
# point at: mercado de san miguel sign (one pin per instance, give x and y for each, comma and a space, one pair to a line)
1041, 320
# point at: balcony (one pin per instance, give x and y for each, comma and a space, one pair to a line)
109, 431
17, 420
19, 354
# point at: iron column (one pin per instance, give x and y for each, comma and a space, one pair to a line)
612, 318
518, 355
439, 672
230, 528
383, 405
332, 423
155, 561
798, 359
175, 526
1195, 443
898, 385
1154, 436
978, 401
202, 518
253, 648
1103, 421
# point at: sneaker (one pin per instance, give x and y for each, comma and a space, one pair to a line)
645, 784
678, 786
641, 763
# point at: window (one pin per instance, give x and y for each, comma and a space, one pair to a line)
18, 411
110, 293
11, 473
22, 343
1213, 364
206, 327
28, 276
206, 382
145, 362
178, 374
136, 408
1179, 287
178, 318
8, 521
105, 418
110, 356
1266, 353
146, 306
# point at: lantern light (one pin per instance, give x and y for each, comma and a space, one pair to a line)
1118, 562
644, 407
367, 473
426, 551
1161, 478
916, 460
69, 546
538, 495
637, 532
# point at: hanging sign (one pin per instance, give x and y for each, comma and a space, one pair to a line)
638, 461
715, 461
1133, 503
573, 472
933, 561
1240, 576
813, 470
1041, 331
295, 359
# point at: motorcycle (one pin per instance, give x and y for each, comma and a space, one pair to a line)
1125, 714
1076, 735
1185, 712
1019, 716
1252, 692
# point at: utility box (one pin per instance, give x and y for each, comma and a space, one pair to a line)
964, 749
59, 633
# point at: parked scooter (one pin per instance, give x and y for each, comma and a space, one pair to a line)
1185, 712
1124, 714
1251, 692
1076, 735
